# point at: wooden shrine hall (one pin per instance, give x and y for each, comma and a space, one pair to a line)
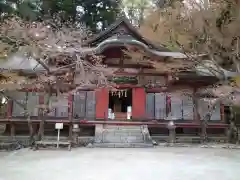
141, 97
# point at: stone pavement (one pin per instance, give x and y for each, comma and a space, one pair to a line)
122, 164
208, 145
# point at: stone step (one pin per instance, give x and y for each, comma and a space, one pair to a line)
122, 145
123, 139
123, 133
122, 130
120, 127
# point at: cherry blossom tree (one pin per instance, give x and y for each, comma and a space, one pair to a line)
57, 47
207, 34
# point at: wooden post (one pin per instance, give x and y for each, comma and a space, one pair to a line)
222, 112
9, 116
195, 106
40, 116
9, 109
168, 97
70, 115
231, 129
13, 130
168, 104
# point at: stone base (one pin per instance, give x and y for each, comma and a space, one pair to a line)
122, 145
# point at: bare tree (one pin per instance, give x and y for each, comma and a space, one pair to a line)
58, 49
207, 34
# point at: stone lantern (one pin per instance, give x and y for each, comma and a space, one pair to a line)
172, 133
75, 130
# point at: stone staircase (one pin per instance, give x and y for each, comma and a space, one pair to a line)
112, 136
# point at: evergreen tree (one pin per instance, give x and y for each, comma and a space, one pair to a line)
65, 9
98, 14
26, 9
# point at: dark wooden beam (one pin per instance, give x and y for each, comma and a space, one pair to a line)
129, 65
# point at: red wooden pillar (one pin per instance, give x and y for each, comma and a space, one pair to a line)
102, 101
138, 103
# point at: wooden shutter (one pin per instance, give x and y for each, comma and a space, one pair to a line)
176, 106
160, 105
150, 110
33, 101
79, 105
91, 105
138, 103
62, 107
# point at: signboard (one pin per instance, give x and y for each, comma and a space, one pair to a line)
125, 79
59, 126
75, 126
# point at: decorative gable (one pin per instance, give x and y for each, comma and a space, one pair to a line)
122, 29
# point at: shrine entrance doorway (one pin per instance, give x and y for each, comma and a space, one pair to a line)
120, 102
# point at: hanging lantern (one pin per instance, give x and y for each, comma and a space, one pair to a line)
119, 94
125, 93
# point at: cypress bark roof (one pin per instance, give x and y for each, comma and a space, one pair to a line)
132, 31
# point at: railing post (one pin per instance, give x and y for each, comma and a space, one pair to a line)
13, 130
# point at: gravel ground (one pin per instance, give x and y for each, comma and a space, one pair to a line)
121, 164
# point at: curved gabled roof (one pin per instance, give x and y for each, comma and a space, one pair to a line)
121, 41
132, 30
